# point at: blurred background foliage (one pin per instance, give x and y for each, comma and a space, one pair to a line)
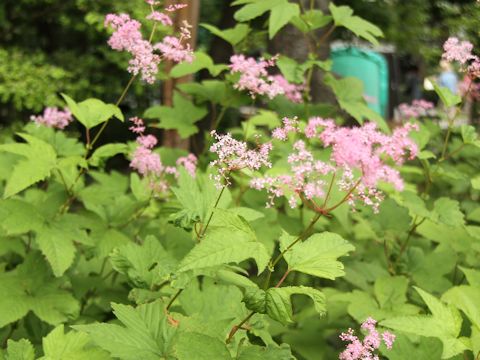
52, 46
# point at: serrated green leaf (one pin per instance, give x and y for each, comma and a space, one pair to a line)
30, 287
271, 352
19, 350
38, 165
146, 333
181, 117
107, 151
92, 112
200, 61
465, 298
343, 16
318, 255
448, 98
276, 302
145, 265
72, 346
280, 15
56, 241
447, 211
256, 8
194, 346
233, 35
349, 93
445, 324
19, 217
311, 20
229, 239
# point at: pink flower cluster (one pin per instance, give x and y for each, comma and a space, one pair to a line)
234, 155
416, 109
255, 79
149, 164
353, 150
461, 52
54, 118
292, 92
365, 350
289, 126
456, 50
127, 36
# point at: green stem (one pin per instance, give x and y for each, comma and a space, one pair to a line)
204, 230
172, 300
239, 326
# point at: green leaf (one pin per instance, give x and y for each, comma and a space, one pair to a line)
56, 241
201, 61
349, 93
194, 346
145, 265
107, 151
448, 98
229, 239
447, 211
271, 352
146, 333
232, 36
465, 298
92, 112
427, 348
30, 287
19, 217
73, 346
317, 255
277, 303
469, 135
181, 117
388, 300
280, 15
40, 160
343, 16
19, 350
445, 324
473, 276
310, 20
255, 9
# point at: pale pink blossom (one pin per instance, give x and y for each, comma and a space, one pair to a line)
356, 164
234, 155
149, 164
365, 350
127, 37
456, 50
173, 49
289, 126
175, 7
292, 92
54, 118
160, 17
152, 2
189, 162
417, 109
254, 76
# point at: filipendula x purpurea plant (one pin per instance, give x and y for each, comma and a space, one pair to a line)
234, 252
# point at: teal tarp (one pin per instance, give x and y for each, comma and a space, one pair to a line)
368, 66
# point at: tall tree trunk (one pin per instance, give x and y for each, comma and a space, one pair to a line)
171, 138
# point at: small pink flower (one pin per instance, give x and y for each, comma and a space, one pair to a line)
160, 17
189, 162
175, 7
365, 350
54, 118
416, 109
254, 76
292, 92
173, 49
456, 50
234, 155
